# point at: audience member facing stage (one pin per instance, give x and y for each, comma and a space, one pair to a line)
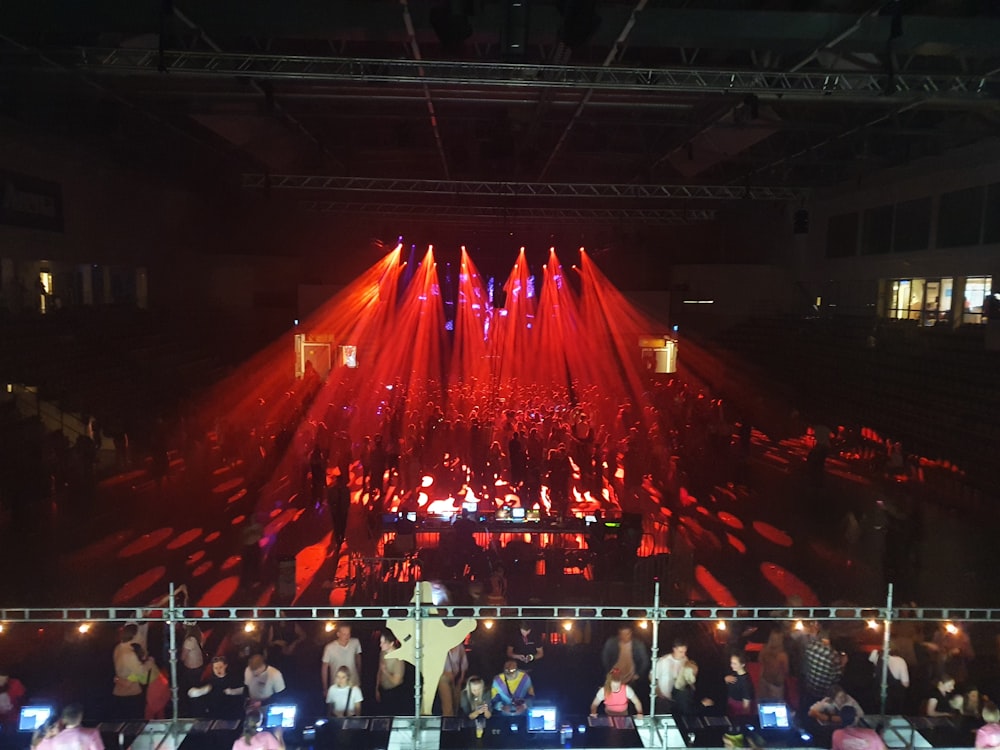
343, 697
615, 696
512, 691
263, 682
343, 651
255, 738
475, 703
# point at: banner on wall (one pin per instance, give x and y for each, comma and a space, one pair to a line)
30, 202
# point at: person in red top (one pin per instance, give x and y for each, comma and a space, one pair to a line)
11, 692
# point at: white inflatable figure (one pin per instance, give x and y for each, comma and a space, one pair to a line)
437, 637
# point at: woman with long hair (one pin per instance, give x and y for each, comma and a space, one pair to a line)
773, 662
256, 738
615, 695
475, 701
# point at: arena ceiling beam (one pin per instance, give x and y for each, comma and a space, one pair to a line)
332, 183
947, 88
468, 214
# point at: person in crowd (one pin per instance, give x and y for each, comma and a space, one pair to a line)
192, 657
675, 677
739, 689
773, 660
837, 708
73, 736
156, 687
525, 646
456, 664
256, 738
130, 672
391, 674
626, 653
853, 737
12, 692
512, 691
42, 737
223, 693
615, 696
339, 501
898, 678
822, 667
942, 701
263, 682
988, 735
475, 703
343, 651
343, 698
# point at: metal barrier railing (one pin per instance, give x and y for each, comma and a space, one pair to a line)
422, 612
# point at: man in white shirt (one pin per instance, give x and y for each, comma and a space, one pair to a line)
344, 651
674, 691
263, 682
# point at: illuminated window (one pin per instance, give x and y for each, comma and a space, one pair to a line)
927, 301
44, 290
976, 290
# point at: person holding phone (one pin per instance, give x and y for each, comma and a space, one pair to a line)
512, 691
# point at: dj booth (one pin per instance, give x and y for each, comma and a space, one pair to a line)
542, 729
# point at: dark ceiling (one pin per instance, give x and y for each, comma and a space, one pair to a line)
464, 111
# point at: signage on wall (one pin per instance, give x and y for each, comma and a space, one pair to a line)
30, 202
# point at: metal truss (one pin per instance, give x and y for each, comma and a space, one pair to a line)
802, 84
568, 612
458, 214
522, 189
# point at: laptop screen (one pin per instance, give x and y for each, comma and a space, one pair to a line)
542, 719
32, 717
773, 716
280, 715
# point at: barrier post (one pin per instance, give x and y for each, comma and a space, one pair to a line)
418, 658
886, 630
654, 655
171, 624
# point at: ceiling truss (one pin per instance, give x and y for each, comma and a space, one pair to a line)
526, 189
800, 84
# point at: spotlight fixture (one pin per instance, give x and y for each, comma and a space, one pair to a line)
84, 628
720, 625
249, 626
488, 624
329, 627
567, 625
873, 624
644, 624
951, 628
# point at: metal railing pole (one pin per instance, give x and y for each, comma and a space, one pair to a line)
654, 655
886, 632
418, 658
171, 622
